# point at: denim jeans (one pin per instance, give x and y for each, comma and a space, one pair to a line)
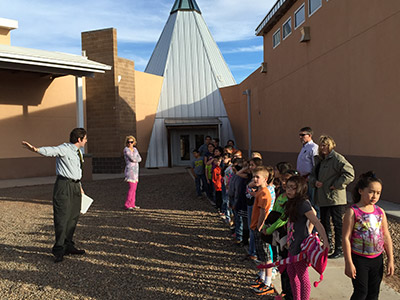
238, 227
241, 228
225, 204
200, 181
311, 191
252, 245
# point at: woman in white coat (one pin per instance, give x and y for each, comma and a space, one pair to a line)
132, 160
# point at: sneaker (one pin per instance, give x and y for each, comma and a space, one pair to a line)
136, 207
256, 282
263, 289
274, 272
336, 254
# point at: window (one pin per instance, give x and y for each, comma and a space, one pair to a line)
287, 28
276, 38
185, 147
313, 5
299, 16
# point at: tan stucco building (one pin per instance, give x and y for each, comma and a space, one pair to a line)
42, 97
119, 103
331, 65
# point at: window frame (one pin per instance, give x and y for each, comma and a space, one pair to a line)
273, 40
283, 31
303, 6
309, 8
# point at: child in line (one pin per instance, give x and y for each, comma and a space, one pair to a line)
217, 181
208, 160
198, 172
227, 173
270, 184
230, 185
299, 211
276, 221
251, 189
240, 206
365, 237
280, 169
262, 203
256, 154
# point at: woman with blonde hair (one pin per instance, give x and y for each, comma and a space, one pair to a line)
132, 160
331, 175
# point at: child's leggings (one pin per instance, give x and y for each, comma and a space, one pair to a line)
369, 276
131, 198
299, 280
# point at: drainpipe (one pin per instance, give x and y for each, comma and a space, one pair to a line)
247, 92
79, 103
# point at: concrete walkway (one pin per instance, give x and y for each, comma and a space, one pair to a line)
392, 209
335, 284
9, 183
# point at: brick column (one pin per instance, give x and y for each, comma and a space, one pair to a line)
110, 103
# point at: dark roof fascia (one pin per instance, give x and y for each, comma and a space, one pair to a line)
178, 6
54, 71
274, 17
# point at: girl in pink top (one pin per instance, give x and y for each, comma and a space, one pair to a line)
365, 237
132, 160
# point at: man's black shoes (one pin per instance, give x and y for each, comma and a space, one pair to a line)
74, 251
58, 258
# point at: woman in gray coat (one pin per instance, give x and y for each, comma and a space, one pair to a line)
330, 176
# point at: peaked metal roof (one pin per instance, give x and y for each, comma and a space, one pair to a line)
185, 5
194, 69
41, 61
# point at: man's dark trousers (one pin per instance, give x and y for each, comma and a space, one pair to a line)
66, 208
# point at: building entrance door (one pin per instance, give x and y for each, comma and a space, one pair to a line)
184, 141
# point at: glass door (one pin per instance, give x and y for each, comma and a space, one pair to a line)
184, 141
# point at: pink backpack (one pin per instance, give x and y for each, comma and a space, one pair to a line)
311, 251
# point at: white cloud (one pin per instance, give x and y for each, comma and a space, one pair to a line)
233, 20
258, 48
136, 21
244, 67
57, 25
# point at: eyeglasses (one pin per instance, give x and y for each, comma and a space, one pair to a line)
130, 142
303, 134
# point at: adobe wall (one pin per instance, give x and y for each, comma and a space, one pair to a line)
147, 94
343, 82
38, 109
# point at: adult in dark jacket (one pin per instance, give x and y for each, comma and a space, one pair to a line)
330, 176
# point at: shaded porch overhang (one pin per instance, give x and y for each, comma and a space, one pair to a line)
41, 63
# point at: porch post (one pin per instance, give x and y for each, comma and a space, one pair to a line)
79, 103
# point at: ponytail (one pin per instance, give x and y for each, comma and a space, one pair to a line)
363, 181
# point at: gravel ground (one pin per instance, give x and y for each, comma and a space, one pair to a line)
174, 247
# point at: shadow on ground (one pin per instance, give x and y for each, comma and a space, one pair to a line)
174, 247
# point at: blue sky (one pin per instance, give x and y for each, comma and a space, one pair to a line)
56, 25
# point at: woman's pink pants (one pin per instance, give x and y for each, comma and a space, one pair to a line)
131, 198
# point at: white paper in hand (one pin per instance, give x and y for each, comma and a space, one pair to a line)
86, 202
